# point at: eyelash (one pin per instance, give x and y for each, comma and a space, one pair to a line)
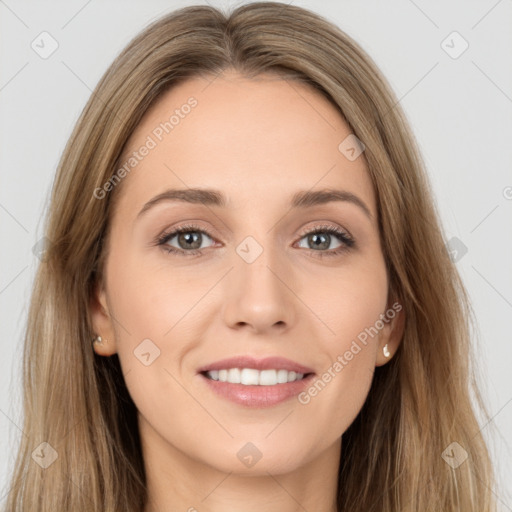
346, 240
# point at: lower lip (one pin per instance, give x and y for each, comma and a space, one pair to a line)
258, 396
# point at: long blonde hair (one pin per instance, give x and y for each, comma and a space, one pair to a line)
394, 454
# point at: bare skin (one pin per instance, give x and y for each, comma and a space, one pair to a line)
258, 141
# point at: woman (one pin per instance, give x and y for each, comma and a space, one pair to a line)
308, 350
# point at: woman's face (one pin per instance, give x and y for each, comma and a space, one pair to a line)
256, 273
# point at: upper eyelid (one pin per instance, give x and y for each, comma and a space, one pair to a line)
319, 227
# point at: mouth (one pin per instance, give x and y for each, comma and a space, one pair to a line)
247, 365
253, 377
256, 383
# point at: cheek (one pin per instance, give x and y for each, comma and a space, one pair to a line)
350, 307
149, 308
152, 309
150, 298
349, 301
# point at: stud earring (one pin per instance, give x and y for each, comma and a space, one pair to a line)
385, 350
98, 339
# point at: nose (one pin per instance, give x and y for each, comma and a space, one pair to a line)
259, 296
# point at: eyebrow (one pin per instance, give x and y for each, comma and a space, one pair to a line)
211, 197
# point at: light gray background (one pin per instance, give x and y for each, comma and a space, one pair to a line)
460, 110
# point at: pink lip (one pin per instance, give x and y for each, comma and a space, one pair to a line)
257, 396
268, 363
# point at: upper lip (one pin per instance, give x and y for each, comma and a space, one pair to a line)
268, 363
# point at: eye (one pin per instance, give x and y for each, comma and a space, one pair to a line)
189, 239
320, 238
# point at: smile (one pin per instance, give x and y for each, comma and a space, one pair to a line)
252, 377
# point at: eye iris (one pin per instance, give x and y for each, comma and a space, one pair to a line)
323, 244
190, 237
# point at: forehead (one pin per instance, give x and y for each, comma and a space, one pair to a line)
263, 137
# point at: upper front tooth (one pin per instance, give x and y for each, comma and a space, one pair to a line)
268, 377
250, 376
234, 375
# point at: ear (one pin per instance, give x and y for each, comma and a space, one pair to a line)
392, 332
102, 321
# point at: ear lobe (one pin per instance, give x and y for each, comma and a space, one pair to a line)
391, 335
